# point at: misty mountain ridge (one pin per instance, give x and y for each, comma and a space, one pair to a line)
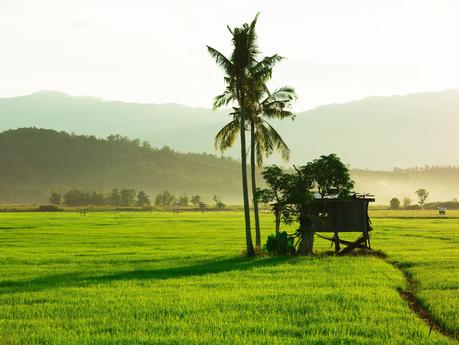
374, 132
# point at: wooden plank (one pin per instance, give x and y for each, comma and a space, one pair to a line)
359, 243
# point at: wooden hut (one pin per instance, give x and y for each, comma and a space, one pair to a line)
335, 215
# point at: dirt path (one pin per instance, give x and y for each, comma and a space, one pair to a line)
410, 297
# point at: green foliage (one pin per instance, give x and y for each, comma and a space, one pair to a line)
422, 196
127, 197
182, 201
406, 202
195, 200
279, 244
394, 204
115, 197
202, 206
331, 176
35, 162
292, 194
142, 199
75, 197
219, 205
55, 198
124, 198
164, 199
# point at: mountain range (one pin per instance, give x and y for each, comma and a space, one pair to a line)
375, 132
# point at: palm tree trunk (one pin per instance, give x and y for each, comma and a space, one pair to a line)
245, 190
254, 186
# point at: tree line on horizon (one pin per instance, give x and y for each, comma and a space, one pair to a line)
422, 195
130, 198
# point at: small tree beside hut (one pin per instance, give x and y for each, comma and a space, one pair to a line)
318, 196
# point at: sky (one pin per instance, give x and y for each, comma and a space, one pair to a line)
155, 51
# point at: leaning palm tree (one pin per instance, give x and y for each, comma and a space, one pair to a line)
264, 139
236, 69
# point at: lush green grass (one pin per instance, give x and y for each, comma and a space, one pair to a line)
428, 250
158, 278
384, 213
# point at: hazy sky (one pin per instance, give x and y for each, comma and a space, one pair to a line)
154, 51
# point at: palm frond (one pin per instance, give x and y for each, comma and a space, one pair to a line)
265, 145
262, 70
285, 94
279, 143
224, 99
226, 137
221, 60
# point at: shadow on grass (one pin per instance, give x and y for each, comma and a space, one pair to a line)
80, 279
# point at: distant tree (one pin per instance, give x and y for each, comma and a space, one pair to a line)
55, 198
96, 198
159, 200
394, 204
114, 198
422, 196
406, 202
143, 199
127, 197
164, 199
182, 201
75, 197
202, 206
218, 202
195, 200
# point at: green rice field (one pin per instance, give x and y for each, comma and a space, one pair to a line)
163, 278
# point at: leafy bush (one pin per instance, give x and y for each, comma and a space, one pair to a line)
279, 244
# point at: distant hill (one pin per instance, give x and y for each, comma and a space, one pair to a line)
375, 133
35, 162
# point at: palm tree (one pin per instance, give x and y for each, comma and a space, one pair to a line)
236, 69
264, 139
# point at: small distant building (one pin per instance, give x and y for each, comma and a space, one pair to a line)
442, 211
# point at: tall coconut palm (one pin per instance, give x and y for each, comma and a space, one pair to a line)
236, 69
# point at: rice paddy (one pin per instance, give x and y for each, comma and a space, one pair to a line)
163, 278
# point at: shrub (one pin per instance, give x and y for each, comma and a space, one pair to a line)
394, 204
280, 244
48, 208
